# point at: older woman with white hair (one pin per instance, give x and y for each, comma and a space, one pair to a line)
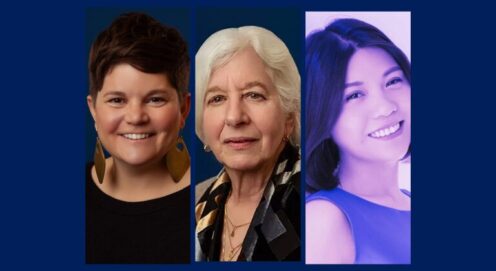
248, 115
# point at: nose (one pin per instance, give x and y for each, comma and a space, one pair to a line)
136, 114
235, 115
384, 106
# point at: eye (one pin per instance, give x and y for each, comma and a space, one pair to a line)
217, 99
157, 100
254, 96
394, 81
116, 101
353, 96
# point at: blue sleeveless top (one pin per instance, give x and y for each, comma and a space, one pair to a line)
381, 234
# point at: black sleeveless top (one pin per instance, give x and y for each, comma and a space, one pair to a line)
152, 231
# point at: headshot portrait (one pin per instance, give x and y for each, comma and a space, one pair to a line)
358, 138
138, 180
280, 21
247, 102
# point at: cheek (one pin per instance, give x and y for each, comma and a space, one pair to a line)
107, 121
407, 103
213, 123
167, 119
404, 98
337, 132
271, 123
348, 128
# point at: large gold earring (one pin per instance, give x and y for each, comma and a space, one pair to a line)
99, 159
178, 160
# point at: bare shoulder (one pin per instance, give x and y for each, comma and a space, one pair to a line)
326, 217
324, 209
328, 234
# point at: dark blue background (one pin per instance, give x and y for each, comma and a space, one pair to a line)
43, 72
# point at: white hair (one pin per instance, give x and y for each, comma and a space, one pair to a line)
222, 45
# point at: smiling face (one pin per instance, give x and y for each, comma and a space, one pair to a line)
374, 124
137, 115
243, 121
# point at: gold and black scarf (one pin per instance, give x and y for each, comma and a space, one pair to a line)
274, 232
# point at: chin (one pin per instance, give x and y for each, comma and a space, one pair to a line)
390, 155
139, 160
241, 164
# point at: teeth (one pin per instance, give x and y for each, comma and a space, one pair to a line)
136, 136
386, 131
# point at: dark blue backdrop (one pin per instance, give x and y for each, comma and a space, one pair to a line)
43, 71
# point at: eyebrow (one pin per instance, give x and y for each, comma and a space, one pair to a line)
386, 73
150, 93
353, 84
114, 92
213, 89
245, 87
254, 84
157, 91
391, 70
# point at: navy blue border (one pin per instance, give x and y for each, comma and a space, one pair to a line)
43, 131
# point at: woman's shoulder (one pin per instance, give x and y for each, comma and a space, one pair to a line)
323, 195
326, 211
329, 235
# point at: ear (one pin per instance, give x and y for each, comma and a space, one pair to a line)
91, 106
289, 125
185, 107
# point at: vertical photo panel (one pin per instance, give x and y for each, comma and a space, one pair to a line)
247, 111
138, 167
358, 138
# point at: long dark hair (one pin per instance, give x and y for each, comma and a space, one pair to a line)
328, 53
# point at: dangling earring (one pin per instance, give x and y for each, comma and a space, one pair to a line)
99, 159
178, 160
285, 138
335, 172
206, 148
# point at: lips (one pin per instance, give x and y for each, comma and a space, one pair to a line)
137, 136
239, 140
240, 143
388, 131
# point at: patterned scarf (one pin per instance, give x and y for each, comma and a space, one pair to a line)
274, 232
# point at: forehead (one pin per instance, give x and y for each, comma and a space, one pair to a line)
126, 78
368, 62
243, 67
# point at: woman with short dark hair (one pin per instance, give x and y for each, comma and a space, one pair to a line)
137, 200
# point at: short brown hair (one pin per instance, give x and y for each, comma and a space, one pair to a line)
144, 43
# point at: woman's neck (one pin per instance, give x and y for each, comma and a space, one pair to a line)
139, 183
368, 179
374, 181
249, 185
